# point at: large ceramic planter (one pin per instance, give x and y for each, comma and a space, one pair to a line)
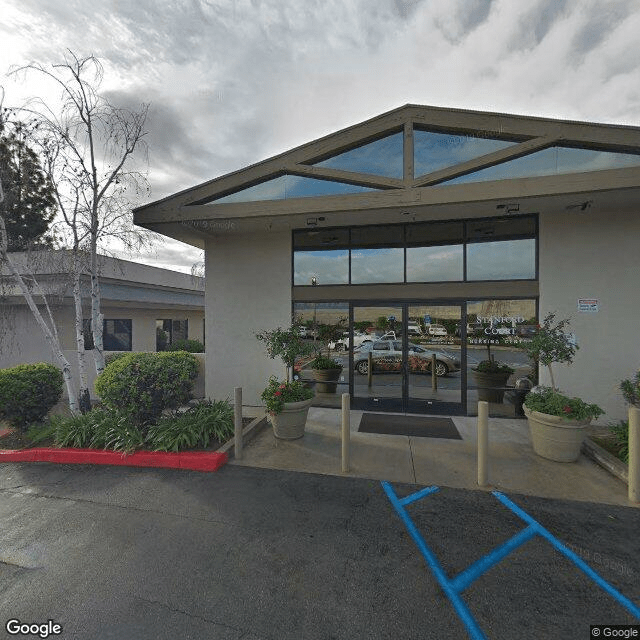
491, 385
326, 380
289, 423
556, 438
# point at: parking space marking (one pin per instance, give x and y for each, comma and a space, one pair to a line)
455, 586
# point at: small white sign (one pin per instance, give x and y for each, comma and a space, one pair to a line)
588, 305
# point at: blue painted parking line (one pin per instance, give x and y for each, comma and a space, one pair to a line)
454, 587
579, 562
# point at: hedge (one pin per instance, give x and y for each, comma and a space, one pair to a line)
28, 392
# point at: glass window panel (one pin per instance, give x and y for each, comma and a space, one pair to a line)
552, 161
289, 186
378, 236
117, 335
503, 260
382, 158
377, 265
434, 151
435, 232
327, 267
321, 239
516, 226
435, 264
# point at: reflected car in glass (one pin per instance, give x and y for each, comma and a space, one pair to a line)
386, 355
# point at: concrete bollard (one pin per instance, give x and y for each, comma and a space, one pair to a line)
483, 443
434, 377
634, 454
237, 420
346, 431
369, 369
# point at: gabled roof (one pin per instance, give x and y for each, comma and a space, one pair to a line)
338, 172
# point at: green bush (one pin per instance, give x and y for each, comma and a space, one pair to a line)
631, 389
28, 392
97, 429
191, 346
113, 356
553, 403
621, 434
323, 362
194, 428
143, 385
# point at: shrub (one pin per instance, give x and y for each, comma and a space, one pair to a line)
492, 366
191, 346
112, 357
143, 385
631, 390
553, 403
194, 428
28, 392
98, 429
277, 393
621, 434
322, 362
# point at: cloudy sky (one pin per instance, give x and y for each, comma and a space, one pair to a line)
233, 82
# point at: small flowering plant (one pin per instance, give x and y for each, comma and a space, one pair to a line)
277, 393
553, 403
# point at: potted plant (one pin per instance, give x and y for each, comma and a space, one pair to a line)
326, 373
557, 422
287, 402
491, 378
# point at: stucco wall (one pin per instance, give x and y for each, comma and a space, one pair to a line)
594, 255
248, 289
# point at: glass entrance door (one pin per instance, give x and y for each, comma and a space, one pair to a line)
407, 358
434, 357
377, 358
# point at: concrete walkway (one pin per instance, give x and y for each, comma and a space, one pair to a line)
513, 466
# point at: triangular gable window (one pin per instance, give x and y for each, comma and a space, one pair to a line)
552, 161
382, 157
434, 151
289, 186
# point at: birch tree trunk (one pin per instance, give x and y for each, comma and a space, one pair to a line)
97, 319
50, 333
84, 398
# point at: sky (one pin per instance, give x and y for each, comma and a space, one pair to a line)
231, 83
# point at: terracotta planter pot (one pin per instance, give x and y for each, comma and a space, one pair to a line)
556, 438
487, 383
326, 380
289, 423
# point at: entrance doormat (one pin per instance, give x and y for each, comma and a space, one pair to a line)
421, 426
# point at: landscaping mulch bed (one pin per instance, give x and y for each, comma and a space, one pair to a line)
609, 444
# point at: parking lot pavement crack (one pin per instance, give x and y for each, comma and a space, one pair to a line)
413, 466
243, 632
117, 506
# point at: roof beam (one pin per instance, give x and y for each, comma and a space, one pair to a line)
487, 160
351, 177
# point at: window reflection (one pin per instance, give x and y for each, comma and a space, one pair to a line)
552, 161
382, 157
435, 264
289, 186
504, 260
328, 267
377, 265
433, 151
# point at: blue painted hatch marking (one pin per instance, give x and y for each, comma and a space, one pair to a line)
455, 586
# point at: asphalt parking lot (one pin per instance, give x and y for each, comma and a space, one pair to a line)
260, 554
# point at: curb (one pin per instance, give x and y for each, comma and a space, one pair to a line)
191, 460
248, 433
607, 461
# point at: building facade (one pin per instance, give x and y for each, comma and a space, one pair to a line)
471, 226
144, 309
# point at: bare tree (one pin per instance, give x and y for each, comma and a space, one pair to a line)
88, 147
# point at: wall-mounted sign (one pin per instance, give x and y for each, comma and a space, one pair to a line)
588, 305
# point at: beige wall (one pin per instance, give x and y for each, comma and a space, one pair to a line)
594, 255
248, 290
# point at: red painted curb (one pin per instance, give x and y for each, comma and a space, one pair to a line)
193, 460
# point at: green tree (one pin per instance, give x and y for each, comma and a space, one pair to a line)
29, 204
